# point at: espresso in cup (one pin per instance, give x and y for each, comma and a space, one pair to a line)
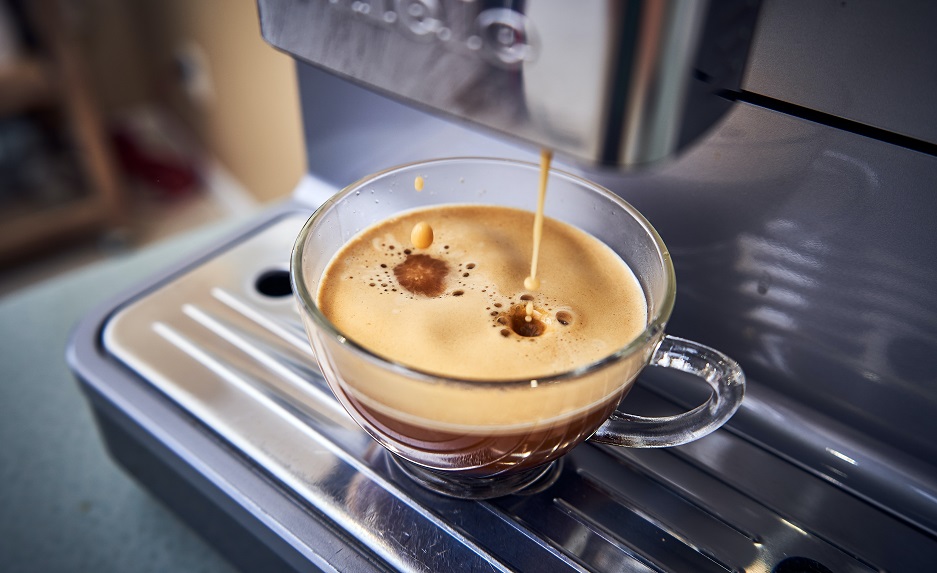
438, 332
458, 309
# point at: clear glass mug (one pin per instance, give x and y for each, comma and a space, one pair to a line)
442, 431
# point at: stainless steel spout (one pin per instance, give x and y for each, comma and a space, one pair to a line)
613, 83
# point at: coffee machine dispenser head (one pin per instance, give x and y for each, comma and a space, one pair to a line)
618, 83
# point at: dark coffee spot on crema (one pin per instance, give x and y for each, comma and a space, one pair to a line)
422, 274
516, 320
525, 328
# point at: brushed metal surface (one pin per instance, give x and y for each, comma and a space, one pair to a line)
238, 362
605, 82
802, 251
863, 60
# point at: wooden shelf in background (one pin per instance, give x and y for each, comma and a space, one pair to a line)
60, 80
25, 84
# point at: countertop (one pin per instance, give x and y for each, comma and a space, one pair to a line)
64, 504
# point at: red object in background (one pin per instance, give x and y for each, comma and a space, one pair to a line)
170, 176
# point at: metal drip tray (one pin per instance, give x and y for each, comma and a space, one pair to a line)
223, 341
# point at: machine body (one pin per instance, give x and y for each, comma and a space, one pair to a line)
619, 84
800, 223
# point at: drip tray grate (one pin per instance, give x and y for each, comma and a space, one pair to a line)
224, 342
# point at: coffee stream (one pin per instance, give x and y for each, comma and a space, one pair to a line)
421, 274
532, 282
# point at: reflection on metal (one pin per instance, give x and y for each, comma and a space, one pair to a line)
842, 456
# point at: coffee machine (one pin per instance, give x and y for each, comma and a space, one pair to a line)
787, 154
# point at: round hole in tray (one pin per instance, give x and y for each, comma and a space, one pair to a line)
801, 565
275, 283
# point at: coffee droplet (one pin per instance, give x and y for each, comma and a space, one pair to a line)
422, 235
422, 274
418, 183
532, 283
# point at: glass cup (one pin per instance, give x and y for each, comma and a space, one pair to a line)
442, 431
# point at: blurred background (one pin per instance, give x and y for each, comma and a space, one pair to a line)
125, 122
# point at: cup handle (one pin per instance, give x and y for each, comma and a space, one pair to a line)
718, 370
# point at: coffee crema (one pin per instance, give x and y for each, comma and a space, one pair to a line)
459, 307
